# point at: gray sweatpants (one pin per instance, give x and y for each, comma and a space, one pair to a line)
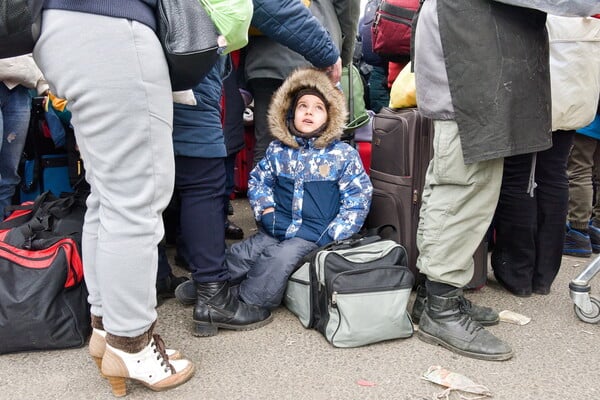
114, 75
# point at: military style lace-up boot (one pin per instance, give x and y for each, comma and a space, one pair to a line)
446, 322
484, 315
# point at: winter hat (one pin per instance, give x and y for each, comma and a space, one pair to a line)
290, 122
309, 90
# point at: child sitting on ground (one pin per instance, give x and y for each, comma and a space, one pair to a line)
308, 190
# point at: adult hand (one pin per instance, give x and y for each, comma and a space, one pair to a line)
334, 72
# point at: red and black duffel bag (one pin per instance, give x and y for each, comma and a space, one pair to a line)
43, 298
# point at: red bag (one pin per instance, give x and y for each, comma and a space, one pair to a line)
243, 163
43, 298
392, 27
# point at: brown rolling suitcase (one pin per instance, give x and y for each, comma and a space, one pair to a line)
402, 146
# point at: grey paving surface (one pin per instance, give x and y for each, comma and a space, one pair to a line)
557, 357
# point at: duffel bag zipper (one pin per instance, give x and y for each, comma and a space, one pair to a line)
345, 254
335, 293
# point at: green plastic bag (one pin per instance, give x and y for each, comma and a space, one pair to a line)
232, 19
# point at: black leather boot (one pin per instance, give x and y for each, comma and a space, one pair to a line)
216, 307
484, 315
232, 231
419, 304
165, 287
447, 323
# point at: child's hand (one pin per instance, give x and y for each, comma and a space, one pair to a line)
268, 210
268, 221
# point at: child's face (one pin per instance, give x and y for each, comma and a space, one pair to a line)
310, 113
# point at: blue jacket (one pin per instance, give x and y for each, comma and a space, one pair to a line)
197, 130
318, 186
295, 36
593, 129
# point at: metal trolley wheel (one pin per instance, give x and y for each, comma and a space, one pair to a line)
593, 316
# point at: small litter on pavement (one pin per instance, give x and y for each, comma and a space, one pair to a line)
513, 317
362, 382
455, 383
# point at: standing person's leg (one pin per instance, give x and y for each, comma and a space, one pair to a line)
166, 281
552, 194
262, 91
457, 209
515, 222
232, 231
201, 185
579, 169
595, 218
126, 146
15, 109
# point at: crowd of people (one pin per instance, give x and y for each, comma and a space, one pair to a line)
499, 93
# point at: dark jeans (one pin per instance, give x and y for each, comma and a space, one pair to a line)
200, 183
530, 231
262, 90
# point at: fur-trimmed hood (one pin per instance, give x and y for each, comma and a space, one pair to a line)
283, 99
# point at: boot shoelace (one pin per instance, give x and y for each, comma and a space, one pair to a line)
470, 325
159, 347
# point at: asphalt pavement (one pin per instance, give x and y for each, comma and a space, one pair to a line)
557, 356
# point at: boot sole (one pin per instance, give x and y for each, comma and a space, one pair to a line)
489, 323
583, 253
205, 329
427, 338
484, 323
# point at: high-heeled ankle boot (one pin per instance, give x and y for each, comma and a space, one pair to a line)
216, 307
97, 344
144, 359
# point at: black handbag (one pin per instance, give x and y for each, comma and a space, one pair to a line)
20, 23
189, 39
43, 298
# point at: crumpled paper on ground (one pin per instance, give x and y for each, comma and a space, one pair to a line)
455, 383
513, 317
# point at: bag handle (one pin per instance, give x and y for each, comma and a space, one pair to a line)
23, 218
368, 236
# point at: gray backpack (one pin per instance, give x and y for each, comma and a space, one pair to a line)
354, 292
